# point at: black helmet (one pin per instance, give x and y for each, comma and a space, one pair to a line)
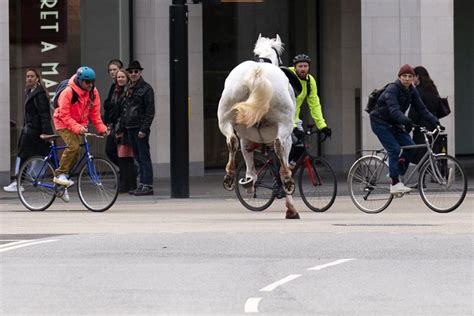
300, 58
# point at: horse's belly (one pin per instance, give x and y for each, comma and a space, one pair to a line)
262, 135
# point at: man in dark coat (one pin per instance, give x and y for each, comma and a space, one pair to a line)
136, 119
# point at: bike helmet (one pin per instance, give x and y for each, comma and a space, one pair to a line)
300, 58
85, 73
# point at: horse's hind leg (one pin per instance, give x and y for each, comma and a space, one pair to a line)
229, 178
282, 150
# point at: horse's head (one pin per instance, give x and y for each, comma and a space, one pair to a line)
268, 49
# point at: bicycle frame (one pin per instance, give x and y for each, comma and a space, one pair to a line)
53, 154
429, 155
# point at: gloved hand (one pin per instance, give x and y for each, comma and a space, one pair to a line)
441, 127
408, 127
326, 131
298, 133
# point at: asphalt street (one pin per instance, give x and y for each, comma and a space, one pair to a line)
208, 255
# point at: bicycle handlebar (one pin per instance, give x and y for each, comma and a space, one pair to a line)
424, 130
93, 134
311, 130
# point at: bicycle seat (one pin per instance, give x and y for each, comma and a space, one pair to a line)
49, 137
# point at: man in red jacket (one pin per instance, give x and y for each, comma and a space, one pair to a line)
78, 102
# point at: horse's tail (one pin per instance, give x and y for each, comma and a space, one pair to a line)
251, 111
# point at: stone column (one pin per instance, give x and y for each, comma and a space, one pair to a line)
415, 32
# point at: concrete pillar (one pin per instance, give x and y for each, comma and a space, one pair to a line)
416, 32
151, 38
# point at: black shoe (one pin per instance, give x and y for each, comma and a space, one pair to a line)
144, 190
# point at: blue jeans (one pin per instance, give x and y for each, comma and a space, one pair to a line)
141, 152
392, 138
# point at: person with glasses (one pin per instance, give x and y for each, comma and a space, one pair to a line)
112, 112
137, 115
71, 119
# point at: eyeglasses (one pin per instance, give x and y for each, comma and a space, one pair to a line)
89, 81
134, 71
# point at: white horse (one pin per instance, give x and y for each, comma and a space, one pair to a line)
259, 104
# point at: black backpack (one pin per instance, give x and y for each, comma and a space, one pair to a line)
60, 88
373, 97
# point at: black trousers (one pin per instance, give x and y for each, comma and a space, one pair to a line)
111, 148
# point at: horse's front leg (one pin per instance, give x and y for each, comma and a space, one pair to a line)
282, 150
248, 148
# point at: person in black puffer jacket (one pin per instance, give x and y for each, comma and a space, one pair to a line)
389, 122
37, 121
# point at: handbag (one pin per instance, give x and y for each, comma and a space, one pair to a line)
443, 107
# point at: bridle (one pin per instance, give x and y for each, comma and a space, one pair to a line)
259, 59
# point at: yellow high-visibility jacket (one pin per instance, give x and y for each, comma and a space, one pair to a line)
312, 99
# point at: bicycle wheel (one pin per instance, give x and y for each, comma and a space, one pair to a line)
443, 186
317, 184
98, 187
264, 192
369, 184
35, 184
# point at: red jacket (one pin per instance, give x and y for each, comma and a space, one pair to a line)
74, 116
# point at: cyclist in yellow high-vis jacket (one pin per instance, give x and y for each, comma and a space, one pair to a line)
300, 67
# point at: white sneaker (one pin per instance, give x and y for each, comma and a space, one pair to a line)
63, 180
12, 187
399, 188
65, 196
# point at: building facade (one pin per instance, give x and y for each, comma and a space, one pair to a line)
356, 46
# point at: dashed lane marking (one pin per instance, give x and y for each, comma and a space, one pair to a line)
251, 305
330, 264
276, 284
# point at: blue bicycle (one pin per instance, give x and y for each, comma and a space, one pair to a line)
97, 182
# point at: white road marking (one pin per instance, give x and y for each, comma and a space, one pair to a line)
323, 266
276, 284
25, 244
15, 242
251, 305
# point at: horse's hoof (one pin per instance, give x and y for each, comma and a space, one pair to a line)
228, 183
292, 215
246, 183
289, 186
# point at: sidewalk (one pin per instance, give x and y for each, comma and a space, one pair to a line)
210, 186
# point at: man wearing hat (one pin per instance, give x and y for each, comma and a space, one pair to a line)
136, 119
389, 122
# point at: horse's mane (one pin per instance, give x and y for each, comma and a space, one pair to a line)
264, 44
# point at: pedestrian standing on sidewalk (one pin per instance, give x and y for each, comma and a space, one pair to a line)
37, 121
111, 112
136, 119
430, 96
128, 176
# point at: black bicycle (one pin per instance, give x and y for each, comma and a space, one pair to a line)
317, 182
